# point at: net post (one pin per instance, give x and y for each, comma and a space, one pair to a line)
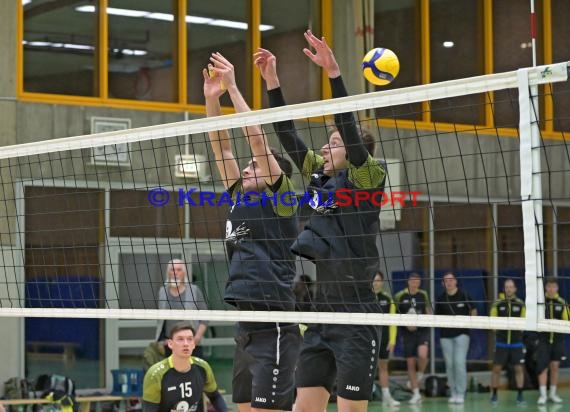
531, 197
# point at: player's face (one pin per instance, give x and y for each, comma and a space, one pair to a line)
182, 343
252, 177
450, 283
551, 289
334, 155
510, 289
176, 273
414, 284
377, 284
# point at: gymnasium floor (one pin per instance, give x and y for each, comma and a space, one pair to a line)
478, 402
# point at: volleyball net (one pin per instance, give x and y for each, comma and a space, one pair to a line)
477, 184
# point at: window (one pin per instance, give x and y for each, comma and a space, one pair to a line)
284, 38
560, 53
511, 50
456, 47
142, 38
217, 26
59, 48
398, 14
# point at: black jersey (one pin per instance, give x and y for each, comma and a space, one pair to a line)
165, 389
554, 308
458, 304
513, 308
416, 303
340, 240
262, 267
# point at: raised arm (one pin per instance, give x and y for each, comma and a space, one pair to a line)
286, 131
345, 123
254, 134
220, 140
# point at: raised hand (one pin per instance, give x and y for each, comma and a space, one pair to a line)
213, 87
223, 68
323, 55
266, 62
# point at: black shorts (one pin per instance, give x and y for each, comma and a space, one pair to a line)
264, 365
509, 356
412, 340
548, 352
348, 353
384, 353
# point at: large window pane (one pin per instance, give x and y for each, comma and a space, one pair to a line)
59, 48
284, 37
208, 32
387, 16
511, 50
560, 53
142, 39
456, 45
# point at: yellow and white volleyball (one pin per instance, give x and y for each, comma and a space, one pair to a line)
380, 66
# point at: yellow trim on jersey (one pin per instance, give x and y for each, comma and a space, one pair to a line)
368, 175
393, 329
281, 206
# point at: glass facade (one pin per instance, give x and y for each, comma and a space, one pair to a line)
61, 53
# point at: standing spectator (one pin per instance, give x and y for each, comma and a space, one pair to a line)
455, 342
509, 347
551, 345
387, 341
416, 340
179, 293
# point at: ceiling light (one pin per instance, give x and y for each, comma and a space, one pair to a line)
160, 16
169, 17
25, 2
448, 44
74, 46
198, 20
229, 23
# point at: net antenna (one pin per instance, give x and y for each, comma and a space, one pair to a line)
33, 173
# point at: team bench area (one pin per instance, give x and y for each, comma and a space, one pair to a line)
83, 401
42, 350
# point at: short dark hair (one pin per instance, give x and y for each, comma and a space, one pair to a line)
551, 279
379, 273
284, 163
413, 275
180, 326
448, 273
367, 139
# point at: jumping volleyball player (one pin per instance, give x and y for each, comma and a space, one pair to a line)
262, 267
341, 242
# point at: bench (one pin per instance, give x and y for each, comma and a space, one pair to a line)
83, 401
66, 350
